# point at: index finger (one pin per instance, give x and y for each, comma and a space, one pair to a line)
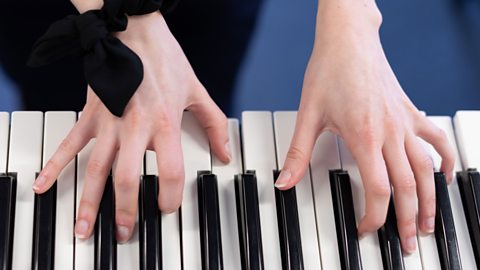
76, 139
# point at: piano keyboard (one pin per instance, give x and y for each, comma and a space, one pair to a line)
231, 216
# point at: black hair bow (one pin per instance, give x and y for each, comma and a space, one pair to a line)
112, 70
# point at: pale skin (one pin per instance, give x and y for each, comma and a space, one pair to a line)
349, 89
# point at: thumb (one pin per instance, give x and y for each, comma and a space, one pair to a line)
299, 153
215, 123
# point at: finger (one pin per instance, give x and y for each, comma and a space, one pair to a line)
438, 139
126, 182
404, 188
98, 169
171, 174
215, 123
76, 139
422, 167
370, 162
298, 156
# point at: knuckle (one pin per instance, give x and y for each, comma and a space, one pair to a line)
53, 165
426, 163
66, 146
125, 184
406, 222
369, 137
440, 135
296, 153
381, 190
87, 209
125, 216
429, 204
95, 168
406, 184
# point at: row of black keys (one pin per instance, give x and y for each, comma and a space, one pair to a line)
248, 224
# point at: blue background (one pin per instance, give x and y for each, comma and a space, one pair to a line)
432, 45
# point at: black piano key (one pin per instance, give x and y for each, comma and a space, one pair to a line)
150, 225
470, 208
445, 234
8, 190
389, 241
209, 214
248, 216
105, 242
44, 229
345, 220
288, 227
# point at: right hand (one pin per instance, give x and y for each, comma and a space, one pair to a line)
152, 120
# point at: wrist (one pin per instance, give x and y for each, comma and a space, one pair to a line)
144, 27
86, 5
345, 16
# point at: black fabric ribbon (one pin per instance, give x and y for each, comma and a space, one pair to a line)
112, 70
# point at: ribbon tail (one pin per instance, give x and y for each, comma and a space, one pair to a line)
60, 40
114, 72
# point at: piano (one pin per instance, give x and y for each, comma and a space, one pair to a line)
231, 216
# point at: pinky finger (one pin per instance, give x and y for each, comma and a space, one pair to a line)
437, 138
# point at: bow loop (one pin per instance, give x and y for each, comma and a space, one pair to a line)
91, 29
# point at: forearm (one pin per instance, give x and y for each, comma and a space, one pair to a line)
85, 5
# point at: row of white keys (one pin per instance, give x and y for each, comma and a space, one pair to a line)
325, 157
56, 128
259, 155
369, 245
284, 123
171, 247
25, 154
226, 196
4, 130
467, 130
196, 154
463, 236
128, 254
84, 249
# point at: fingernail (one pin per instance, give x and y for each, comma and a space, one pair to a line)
41, 179
81, 229
122, 234
227, 150
430, 224
411, 244
283, 179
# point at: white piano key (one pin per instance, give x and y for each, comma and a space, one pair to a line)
4, 130
56, 127
369, 245
196, 154
427, 244
226, 196
25, 157
84, 249
467, 130
171, 247
428, 253
284, 123
463, 236
325, 157
259, 155
128, 254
